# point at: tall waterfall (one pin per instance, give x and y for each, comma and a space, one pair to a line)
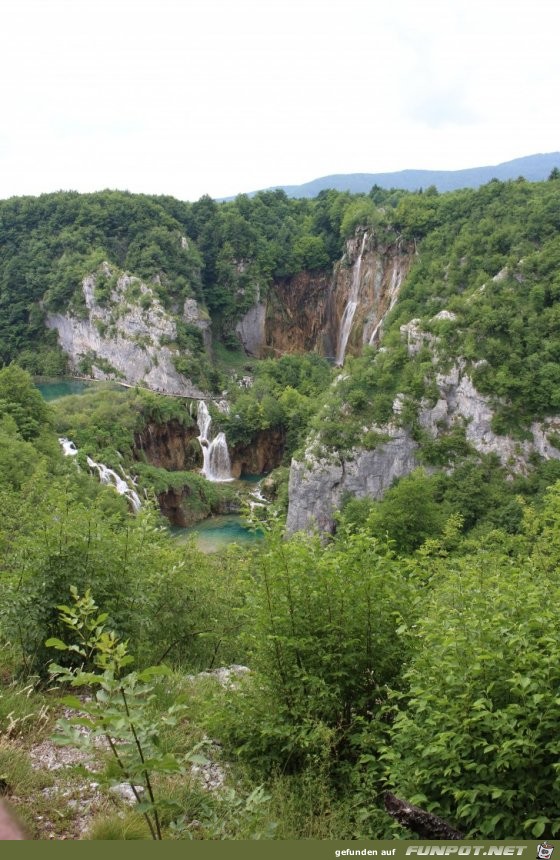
350, 309
394, 289
216, 463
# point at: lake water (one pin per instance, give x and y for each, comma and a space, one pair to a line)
212, 534
55, 389
215, 533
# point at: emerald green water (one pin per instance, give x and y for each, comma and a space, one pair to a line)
215, 533
55, 389
212, 534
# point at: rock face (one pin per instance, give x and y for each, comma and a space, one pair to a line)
303, 313
317, 486
125, 340
251, 330
459, 401
264, 454
193, 314
182, 509
170, 446
297, 315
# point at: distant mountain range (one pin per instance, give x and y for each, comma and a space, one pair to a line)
533, 167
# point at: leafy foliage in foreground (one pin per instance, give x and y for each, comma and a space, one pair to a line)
476, 736
324, 645
118, 712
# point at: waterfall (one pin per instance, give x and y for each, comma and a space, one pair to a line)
216, 463
122, 486
256, 498
350, 309
68, 447
394, 289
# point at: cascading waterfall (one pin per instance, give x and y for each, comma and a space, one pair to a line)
394, 289
350, 309
256, 499
123, 486
216, 463
68, 447
108, 476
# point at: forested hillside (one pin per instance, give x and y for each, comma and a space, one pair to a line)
50, 243
394, 629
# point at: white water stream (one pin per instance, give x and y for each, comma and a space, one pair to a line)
350, 309
394, 289
124, 486
216, 463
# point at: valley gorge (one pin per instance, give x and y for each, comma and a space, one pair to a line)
299, 501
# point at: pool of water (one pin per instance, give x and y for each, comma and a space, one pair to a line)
55, 389
215, 533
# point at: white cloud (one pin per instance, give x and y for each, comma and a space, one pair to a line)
230, 95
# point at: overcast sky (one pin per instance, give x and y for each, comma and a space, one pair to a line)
224, 96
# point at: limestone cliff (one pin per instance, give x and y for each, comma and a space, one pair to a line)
297, 315
318, 484
125, 339
304, 313
264, 454
319, 481
170, 446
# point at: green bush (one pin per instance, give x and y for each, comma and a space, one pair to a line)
324, 648
476, 740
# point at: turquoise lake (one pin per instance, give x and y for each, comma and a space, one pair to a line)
55, 389
212, 534
215, 533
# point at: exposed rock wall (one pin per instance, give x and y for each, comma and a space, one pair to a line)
183, 509
170, 446
264, 454
303, 313
251, 330
124, 340
297, 315
459, 401
317, 486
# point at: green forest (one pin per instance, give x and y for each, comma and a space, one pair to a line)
285, 688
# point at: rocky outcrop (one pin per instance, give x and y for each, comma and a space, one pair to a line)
297, 315
183, 507
318, 485
195, 315
251, 330
459, 401
264, 454
303, 313
170, 446
127, 339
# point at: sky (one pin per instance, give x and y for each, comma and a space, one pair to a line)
226, 96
